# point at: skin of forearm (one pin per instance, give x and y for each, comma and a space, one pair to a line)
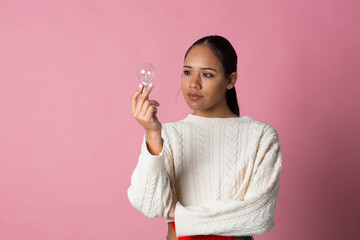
154, 143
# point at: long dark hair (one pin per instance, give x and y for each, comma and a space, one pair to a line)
227, 56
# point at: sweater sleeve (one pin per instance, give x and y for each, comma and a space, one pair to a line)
254, 213
150, 190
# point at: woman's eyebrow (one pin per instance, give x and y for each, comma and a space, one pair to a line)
206, 68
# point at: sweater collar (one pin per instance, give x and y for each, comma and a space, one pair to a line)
206, 121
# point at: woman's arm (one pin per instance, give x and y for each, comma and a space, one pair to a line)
150, 189
254, 215
154, 142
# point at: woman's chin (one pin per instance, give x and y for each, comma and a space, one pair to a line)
194, 107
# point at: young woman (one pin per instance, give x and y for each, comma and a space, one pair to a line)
214, 174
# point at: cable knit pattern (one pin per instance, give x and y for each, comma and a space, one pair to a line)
202, 163
230, 163
225, 171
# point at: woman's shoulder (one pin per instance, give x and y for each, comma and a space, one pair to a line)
263, 130
264, 125
173, 127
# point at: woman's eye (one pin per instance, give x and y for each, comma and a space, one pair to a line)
186, 72
208, 75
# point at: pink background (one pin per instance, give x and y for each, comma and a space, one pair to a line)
69, 144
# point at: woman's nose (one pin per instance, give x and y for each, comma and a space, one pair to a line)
195, 81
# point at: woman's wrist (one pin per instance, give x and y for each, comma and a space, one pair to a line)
154, 141
153, 137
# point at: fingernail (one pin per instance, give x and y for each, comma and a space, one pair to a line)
140, 85
151, 84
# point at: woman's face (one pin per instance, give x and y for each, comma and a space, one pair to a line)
203, 82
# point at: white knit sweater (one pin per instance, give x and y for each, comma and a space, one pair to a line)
226, 174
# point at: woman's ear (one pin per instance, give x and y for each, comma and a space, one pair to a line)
232, 80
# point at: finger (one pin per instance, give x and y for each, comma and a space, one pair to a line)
143, 109
147, 90
146, 105
150, 112
134, 97
142, 98
154, 102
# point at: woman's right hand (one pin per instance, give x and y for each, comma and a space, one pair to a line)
144, 110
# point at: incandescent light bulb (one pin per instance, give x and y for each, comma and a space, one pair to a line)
145, 73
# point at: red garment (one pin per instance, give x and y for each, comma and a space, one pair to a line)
203, 237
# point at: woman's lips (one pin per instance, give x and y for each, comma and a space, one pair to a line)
194, 96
